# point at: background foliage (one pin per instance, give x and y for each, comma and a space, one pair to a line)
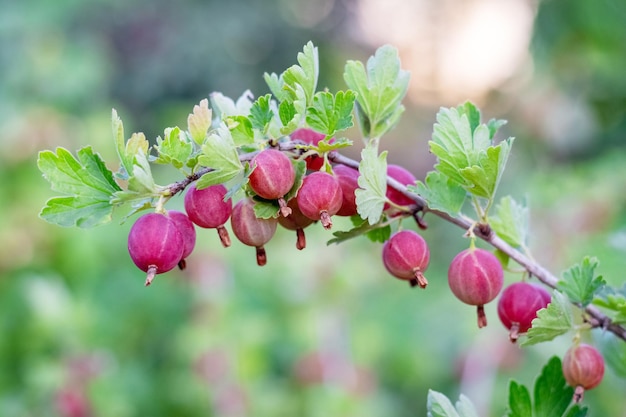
299, 336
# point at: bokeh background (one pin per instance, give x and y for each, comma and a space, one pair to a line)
324, 331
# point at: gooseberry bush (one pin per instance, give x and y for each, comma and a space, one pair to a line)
275, 161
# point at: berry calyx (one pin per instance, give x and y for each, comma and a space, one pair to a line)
406, 256
348, 181
404, 177
207, 209
188, 231
155, 244
309, 136
251, 230
583, 369
296, 221
320, 197
272, 177
475, 277
518, 306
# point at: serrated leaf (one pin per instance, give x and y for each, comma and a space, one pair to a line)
552, 395
331, 113
286, 112
552, 321
494, 125
510, 222
465, 153
380, 89
438, 405
88, 181
126, 150
175, 149
241, 130
337, 143
614, 300
264, 209
580, 283
224, 106
465, 407
141, 180
261, 113
520, 404
220, 154
299, 111
376, 232
370, 196
199, 121
440, 193
304, 75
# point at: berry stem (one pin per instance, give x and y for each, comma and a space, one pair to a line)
514, 332
579, 393
284, 209
261, 256
419, 279
300, 239
326, 220
224, 236
152, 271
482, 317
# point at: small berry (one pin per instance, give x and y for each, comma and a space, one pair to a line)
583, 369
155, 244
310, 137
406, 256
320, 197
207, 209
475, 277
296, 221
348, 180
188, 231
272, 177
251, 230
518, 306
404, 177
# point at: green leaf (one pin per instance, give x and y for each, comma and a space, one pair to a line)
175, 149
440, 193
88, 181
465, 152
224, 107
552, 395
465, 407
199, 121
220, 154
300, 169
614, 300
370, 196
331, 113
376, 232
261, 113
265, 209
337, 143
380, 89
520, 404
552, 321
511, 222
298, 111
494, 125
126, 150
286, 112
241, 130
438, 405
304, 75
580, 282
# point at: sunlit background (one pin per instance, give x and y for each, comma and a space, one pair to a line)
324, 331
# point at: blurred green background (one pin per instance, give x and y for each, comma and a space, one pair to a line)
324, 331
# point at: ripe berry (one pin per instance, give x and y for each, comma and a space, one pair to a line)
518, 306
272, 177
296, 221
311, 137
320, 197
404, 177
475, 277
251, 230
348, 180
207, 209
406, 256
155, 244
583, 368
188, 231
